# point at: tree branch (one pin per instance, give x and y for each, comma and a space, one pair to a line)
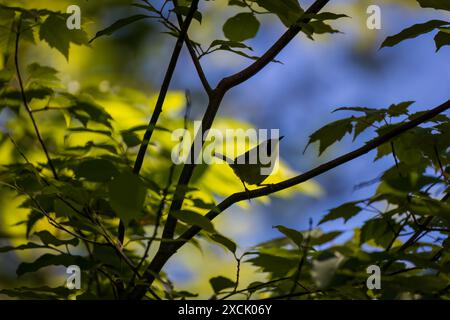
270, 55
161, 98
215, 100
188, 169
170, 249
375, 143
25, 101
165, 86
194, 56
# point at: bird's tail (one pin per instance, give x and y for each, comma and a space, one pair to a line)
223, 157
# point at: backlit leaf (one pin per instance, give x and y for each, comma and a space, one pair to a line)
127, 195
413, 32
241, 27
55, 32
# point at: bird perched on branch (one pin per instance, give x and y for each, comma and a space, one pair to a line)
256, 165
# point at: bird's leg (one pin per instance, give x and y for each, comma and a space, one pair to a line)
246, 190
270, 185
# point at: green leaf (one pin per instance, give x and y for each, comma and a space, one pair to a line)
35, 93
86, 111
26, 246
323, 16
194, 218
425, 206
33, 218
48, 239
224, 241
220, 283
42, 75
5, 77
403, 179
399, 109
127, 195
320, 27
318, 238
64, 209
55, 32
435, 4
289, 11
96, 170
53, 260
278, 265
345, 211
331, 133
241, 27
119, 24
442, 38
225, 44
423, 283
39, 293
377, 230
413, 32
294, 235
107, 256
86, 130
131, 139
383, 150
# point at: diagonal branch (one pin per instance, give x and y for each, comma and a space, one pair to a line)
375, 143
161, 98
25, 101
277, 47
215, 100
165, 86
194, 57
163, 256
417, 234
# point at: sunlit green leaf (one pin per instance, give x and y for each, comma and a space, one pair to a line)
127, 195
55, 32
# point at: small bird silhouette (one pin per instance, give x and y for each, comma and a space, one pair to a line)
249, 167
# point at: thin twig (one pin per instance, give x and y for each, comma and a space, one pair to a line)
165, 87
158, 220
161, 98
302, 260
255, 287
25, 101
194, 57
